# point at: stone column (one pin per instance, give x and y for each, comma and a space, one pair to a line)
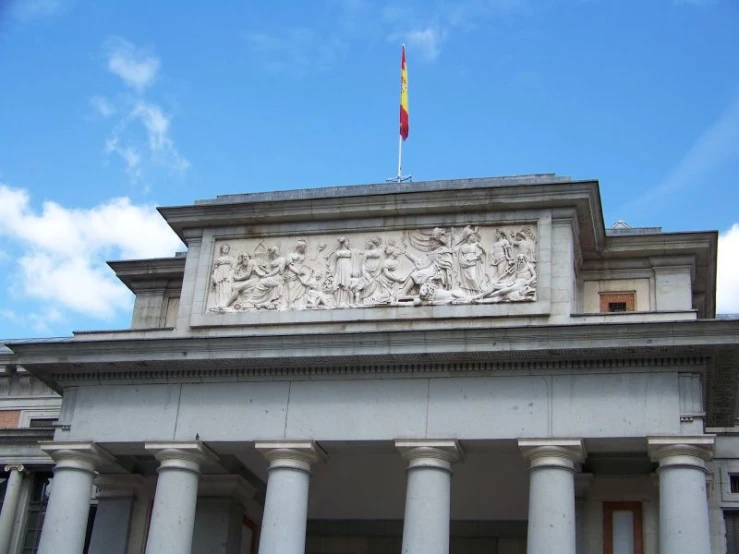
173, 514
683, 503
286, 507
65, 523
552, 465
427, 497
10, 504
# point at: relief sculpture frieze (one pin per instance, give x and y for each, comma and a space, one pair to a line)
441, 265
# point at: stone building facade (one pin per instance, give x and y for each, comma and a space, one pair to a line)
460, 366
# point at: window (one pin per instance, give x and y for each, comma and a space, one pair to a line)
611, 302
622, 528
732, 531
36, 511
42, 422
734, 483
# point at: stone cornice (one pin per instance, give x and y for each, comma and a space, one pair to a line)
383, 201
25, 436
546, 343
144, 274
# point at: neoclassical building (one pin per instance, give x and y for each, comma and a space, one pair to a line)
467, 366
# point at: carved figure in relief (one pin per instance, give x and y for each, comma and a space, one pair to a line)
222, 275
471, 259
246, 277
501, 255
524, 244
297, 275
388, 281
430, 293
438, 264
520, 287
315, 297
268, 293
364, 285
341, 262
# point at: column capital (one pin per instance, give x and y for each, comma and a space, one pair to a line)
187, 456
122, 485
685, 451
291, 454
440, 453
20, 468
560, 453
83, 456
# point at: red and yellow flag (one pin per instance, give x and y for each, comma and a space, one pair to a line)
404, 125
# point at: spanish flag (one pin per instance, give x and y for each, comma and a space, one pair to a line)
404, 125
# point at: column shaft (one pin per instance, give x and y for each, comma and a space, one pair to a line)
683, 504
427, 506
10, 505
175, 500
173, 515
285, 514
552, 494
428, 493
552, 511
65, 523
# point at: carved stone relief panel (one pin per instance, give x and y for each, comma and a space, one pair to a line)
440, 265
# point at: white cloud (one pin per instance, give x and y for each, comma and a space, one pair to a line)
63, 250
727, 297
136, 67
151, 142
102, 106
129, 154
161, 147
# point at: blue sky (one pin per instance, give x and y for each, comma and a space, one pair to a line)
111, 108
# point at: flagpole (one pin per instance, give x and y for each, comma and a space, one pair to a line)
400, 159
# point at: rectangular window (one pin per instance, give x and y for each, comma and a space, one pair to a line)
734, 483
42, 422
617, 302
622, 528
732, 531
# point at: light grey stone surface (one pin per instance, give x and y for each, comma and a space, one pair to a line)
638, 404
363, 410
218, 523
479, 408
111, 527
130, 412
224, 411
